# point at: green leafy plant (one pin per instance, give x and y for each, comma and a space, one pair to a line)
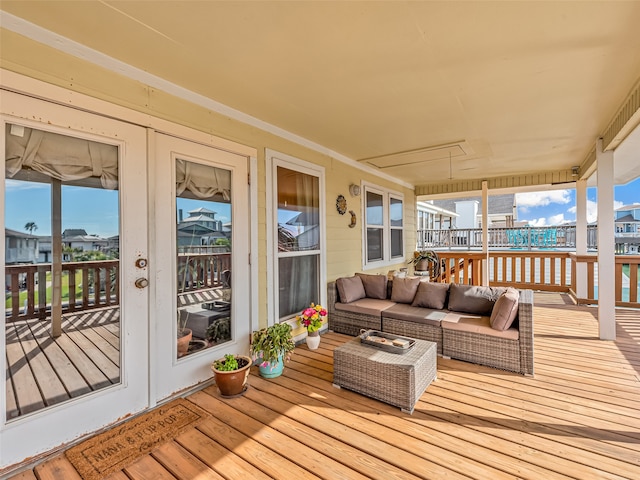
430, 256
219, 330
227, 364
268, 344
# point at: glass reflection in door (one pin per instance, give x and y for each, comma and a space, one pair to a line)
62, 315
203, 240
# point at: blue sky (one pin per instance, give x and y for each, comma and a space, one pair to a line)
96, 210
554, 207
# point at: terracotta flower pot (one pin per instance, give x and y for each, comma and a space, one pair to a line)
183, 342
232, 383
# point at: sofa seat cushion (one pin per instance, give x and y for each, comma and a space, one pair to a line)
402, 311
366, 306
474, 299
461, 321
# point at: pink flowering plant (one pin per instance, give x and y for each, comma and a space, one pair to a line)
311, 317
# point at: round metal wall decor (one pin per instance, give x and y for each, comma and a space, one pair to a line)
341, 204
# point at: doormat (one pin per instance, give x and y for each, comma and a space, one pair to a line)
118, 447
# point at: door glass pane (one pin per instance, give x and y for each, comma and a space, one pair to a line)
298, 278
61, 268
203, 239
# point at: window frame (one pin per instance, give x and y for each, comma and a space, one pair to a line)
387, 258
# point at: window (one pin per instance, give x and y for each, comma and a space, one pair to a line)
296, 234
384, 228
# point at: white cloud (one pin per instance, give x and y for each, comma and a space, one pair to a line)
15, 185
542, 199
557, 219
592, 209
538, 222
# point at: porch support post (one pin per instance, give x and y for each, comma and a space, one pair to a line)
56, 258
581, 237
606, 245
485, 233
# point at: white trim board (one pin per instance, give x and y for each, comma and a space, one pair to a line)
63, 44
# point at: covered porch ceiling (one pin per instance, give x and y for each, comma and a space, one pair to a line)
429, 93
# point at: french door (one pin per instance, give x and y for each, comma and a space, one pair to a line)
75, 353
201, 295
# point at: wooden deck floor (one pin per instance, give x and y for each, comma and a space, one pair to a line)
579, 417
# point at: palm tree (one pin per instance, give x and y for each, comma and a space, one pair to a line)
30, 227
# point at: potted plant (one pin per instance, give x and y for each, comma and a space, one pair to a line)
231, 374
311, 319
423, 258
184, 334
272, 346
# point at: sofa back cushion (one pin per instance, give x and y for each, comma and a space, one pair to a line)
350, 289
505, 310
431, 295
404, 289
473, 299
375, 286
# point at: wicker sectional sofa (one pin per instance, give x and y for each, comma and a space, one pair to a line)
464, 323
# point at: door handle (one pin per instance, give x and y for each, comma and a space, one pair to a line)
142, 282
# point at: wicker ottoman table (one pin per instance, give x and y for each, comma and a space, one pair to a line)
393, 378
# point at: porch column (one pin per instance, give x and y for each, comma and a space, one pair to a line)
56, 257
485, 233
581, 237
606, 245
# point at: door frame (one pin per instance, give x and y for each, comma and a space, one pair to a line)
12, 82
47, 428
173, 374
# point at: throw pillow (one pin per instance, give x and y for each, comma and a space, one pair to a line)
473, 299
350, 289
404, 289
375, 286
431, 295
505, 310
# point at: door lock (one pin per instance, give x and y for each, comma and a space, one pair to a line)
142, 282
141, 263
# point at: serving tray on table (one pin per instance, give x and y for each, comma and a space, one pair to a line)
386, 341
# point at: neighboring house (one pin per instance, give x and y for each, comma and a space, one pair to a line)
20, 247
78, 239
468, 211
627, 224
200, 228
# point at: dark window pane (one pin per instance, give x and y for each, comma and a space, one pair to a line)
396, 243
374, 244
298, 283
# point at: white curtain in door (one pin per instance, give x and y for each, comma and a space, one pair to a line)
203, 181
60, 156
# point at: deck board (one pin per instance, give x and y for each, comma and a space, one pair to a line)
578, 417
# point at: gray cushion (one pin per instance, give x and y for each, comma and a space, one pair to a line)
350, 289
375, 286
473, 299
431, 295
404, 289
505, 310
